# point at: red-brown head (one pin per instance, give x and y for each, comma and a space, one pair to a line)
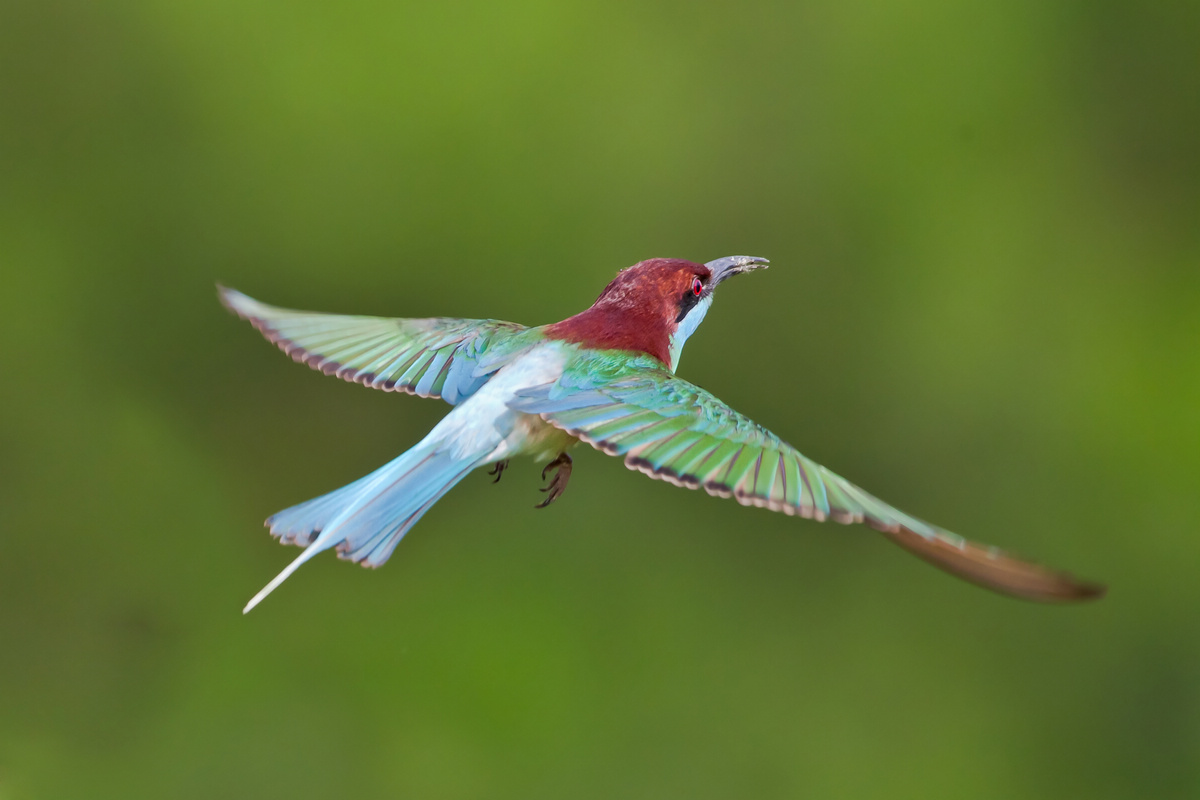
652, 307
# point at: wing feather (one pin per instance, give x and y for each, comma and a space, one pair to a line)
436, 357
672, 430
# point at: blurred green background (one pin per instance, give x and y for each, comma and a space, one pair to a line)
984, 306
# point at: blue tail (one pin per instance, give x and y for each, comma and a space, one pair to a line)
366, 519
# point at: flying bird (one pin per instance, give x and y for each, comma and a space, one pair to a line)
605, 376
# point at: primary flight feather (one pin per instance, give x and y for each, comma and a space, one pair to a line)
605, 376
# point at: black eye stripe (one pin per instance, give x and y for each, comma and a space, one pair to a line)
686, 303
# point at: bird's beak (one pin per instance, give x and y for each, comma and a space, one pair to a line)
722, 268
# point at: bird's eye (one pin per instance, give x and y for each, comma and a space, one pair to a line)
697, 287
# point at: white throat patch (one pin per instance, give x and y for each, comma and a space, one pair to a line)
687, 328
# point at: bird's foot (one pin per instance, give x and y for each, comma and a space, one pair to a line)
557, 484
498, 470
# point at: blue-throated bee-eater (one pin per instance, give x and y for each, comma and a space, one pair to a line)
605, 376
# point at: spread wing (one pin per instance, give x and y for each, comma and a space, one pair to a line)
437, 357
673, 430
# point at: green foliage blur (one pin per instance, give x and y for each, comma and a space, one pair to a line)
983, 306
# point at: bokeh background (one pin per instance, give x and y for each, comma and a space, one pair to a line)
984, 306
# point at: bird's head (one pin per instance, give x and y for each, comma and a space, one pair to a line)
653, 306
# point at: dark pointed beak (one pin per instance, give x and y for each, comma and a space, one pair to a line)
723, 268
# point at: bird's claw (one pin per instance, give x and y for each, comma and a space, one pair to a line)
498, 470
558, 484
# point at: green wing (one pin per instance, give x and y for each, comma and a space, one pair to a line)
437, 357
673, 430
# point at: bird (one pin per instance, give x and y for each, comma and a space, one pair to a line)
606, 377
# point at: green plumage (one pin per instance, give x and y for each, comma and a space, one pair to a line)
668, 428
436, 357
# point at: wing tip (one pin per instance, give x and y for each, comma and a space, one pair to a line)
997, 570
240, 304
1088, 590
